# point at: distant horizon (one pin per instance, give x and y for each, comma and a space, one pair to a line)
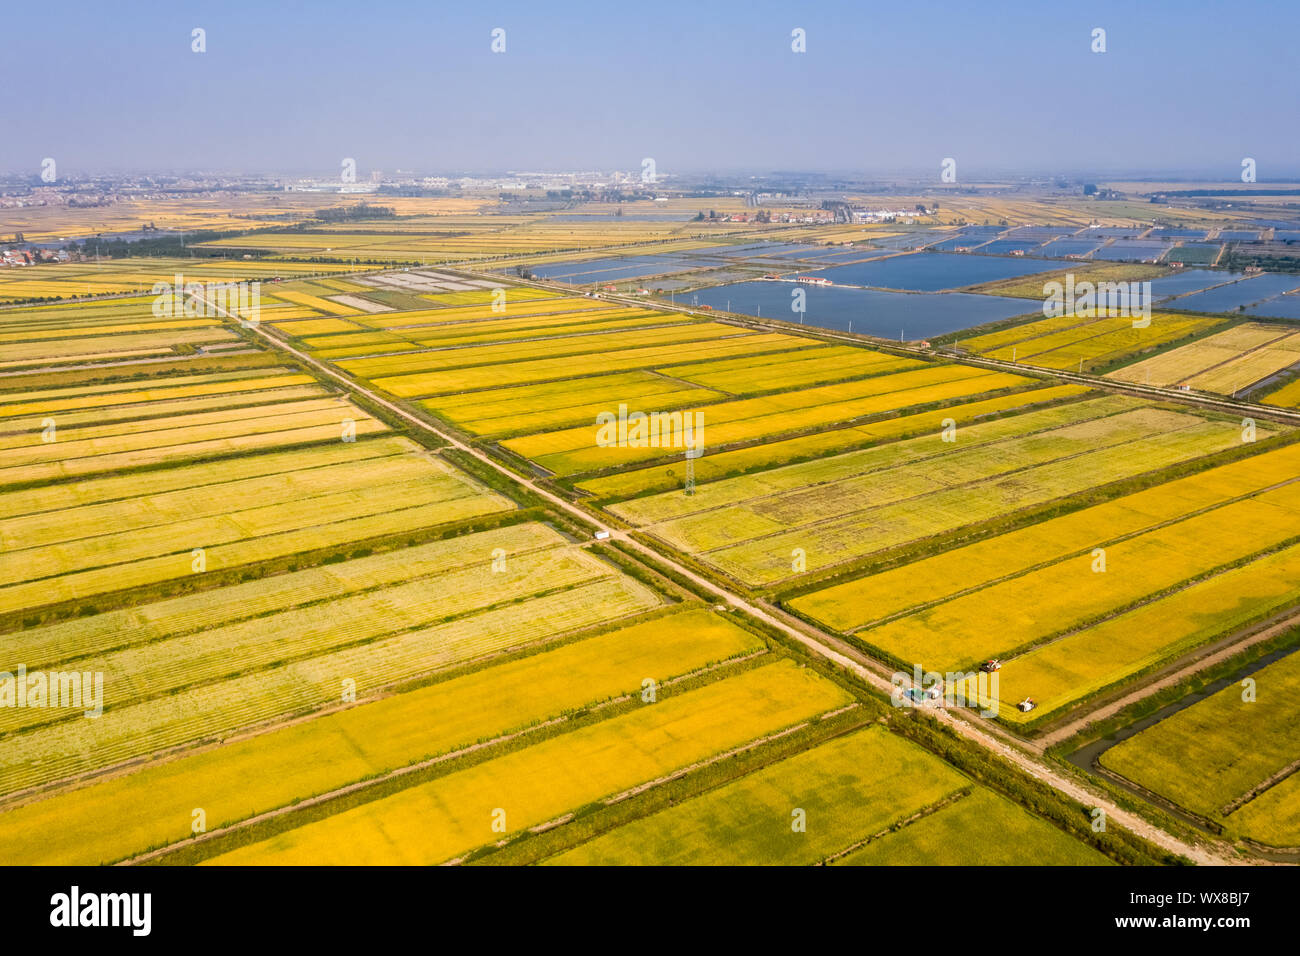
1182, 89
977, 178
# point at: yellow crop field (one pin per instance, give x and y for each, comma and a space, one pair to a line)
1077, 665
982, 829
1273, 817
747, 822
478, 313
532, 408
314, 327
573, 451
809, 366
241, 648
1091, 343
449, 816
265, 597
1288, 396
1193, 757
548, 369
1003, 618
46, 564
103, 823
1223, 362
854, 604
603, 343
833, 522
219, 709
37, 404
314, 302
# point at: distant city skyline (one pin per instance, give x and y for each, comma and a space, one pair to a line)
1184, 90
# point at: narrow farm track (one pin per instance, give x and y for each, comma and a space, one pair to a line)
815, 641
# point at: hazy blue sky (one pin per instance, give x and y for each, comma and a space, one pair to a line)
1184, 86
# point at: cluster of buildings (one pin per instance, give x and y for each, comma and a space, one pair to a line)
29, 257
891, 215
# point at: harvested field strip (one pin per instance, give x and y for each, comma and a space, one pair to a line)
245, 421
152, 670
217, 710
122, 342
254, 440
64, 331
453, 814
1249, 368
92, 357
1006, 617
931, 512
774, 454
1006, 432
857, 603
1080, 664
13, 434
547, 369
117, 487
848, 788
151, 395
166, 508
430, 484
104, 822
175, 617
1190, 758
102, 388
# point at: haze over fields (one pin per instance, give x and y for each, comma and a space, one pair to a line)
1183, 88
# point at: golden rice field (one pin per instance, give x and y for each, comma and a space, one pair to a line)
1195, 758
1288, 396
847, 507
749, 822
342, 645
451, 815
981, 829
937, 580
1077, 343
1225, 362
103, 822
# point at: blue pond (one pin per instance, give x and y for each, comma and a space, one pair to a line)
933, 271
869, 311
1123, 250
1245, 292
1281, 307
1069, 247
1189, 280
